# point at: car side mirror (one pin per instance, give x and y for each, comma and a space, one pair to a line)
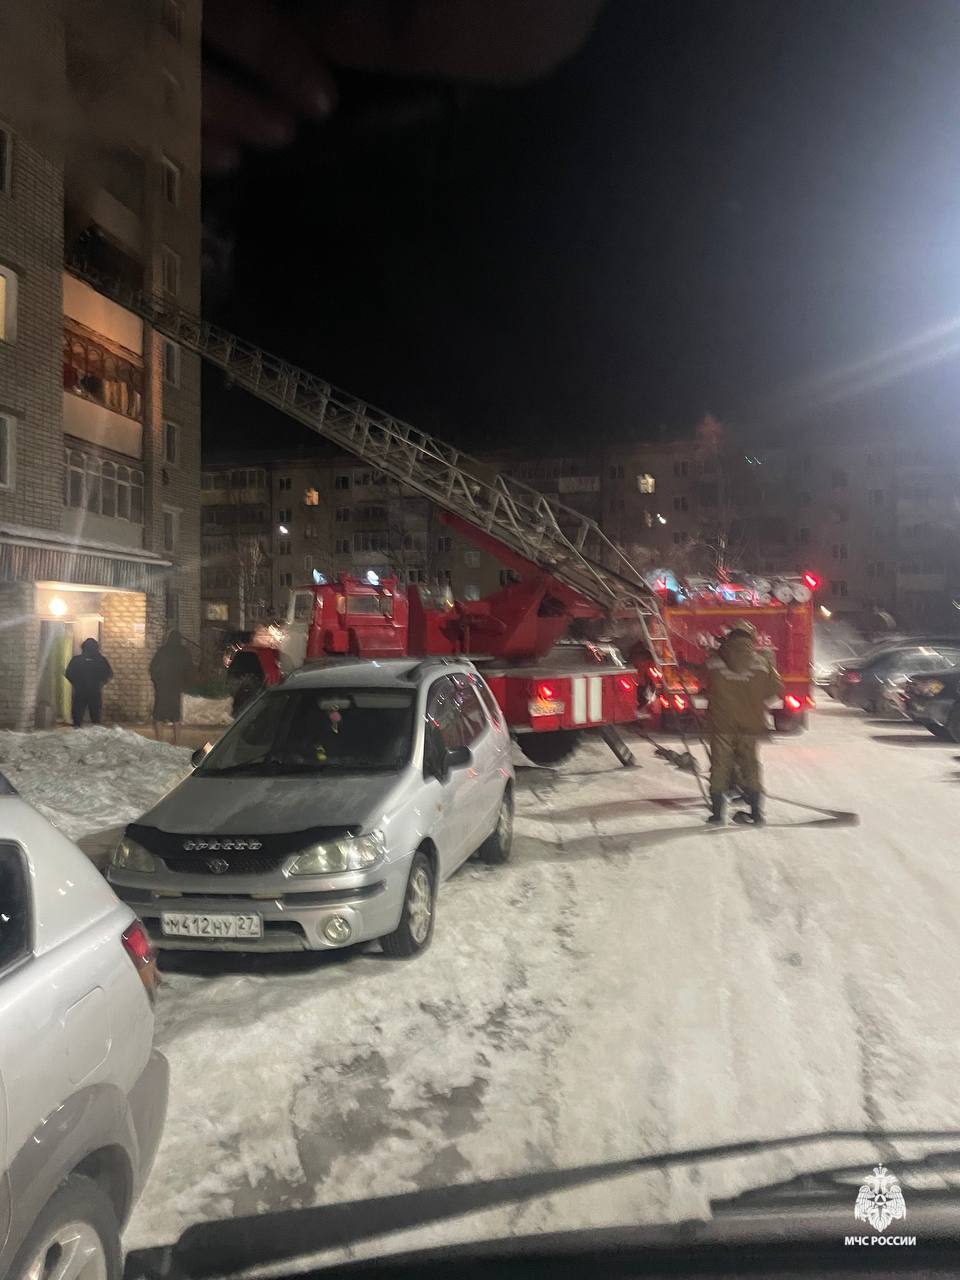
457, 758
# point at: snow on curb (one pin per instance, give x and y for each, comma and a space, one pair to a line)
206, 710
85, 780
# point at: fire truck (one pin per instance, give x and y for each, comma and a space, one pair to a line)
538, 640
699, 612
551, 687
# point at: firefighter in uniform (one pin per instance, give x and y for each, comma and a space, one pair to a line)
741, 679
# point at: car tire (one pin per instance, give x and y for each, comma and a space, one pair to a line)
953, 724
549, 748
496, 848
78, 1215
412, 935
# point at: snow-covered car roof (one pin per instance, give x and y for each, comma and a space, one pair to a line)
403, 673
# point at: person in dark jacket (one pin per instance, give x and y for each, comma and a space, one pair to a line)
741, 680
88, 671
171, 671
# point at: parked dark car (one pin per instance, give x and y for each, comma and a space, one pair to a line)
933, 700
866, 683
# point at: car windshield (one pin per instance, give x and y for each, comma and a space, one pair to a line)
318, 731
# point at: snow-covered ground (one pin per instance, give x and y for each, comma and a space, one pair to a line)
630, 983
88, 780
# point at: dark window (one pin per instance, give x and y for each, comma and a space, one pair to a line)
679, 504
444, 730
171, 449
474, 721
341, 482
803, 537
838, 587
805, 500
6, 160
342, 515
444, 544
171, 18
679, 468
15, 907
875, 497
171, 606
318, 730
838, 478
486, 695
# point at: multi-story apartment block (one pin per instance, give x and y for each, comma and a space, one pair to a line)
99, 416
272, 524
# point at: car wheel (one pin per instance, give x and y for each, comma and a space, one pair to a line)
415, 929
76, 1237
953, 724
496, 848
549, 748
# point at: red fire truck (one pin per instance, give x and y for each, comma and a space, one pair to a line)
552, 688
697, 617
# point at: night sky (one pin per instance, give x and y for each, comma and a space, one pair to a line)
716, 205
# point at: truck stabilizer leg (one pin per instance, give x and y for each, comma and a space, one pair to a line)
617, 745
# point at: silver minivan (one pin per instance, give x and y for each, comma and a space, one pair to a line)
328, 814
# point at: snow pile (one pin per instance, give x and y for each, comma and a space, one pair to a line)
90, 779
207, 710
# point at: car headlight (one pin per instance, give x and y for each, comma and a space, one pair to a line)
929, 688
131, 856
351, 853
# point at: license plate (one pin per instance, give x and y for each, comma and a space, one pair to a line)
182, 924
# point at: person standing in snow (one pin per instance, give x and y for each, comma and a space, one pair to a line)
171, 671
741, 679
88, 671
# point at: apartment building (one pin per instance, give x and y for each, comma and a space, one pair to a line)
271, 524
99, 415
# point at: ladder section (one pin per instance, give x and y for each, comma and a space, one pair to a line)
559, 539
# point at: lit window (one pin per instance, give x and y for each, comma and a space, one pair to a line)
6, 160
646, 483
170, 270
311, 498
171, 363
170, 174
171, 445
8, 451
8, 305
217, 611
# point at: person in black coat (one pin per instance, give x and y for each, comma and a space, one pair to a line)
88, 671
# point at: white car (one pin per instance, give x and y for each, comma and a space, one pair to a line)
83, 1092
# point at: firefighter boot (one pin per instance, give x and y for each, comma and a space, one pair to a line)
716, 818
756, 813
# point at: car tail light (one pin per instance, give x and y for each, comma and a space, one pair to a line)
626, 684
852, 677
792, 702
681, 701
546, 692
664, 700
138, 948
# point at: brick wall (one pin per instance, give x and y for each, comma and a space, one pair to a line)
31, 245
20, 637
124, 644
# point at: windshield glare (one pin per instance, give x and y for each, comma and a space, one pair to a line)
317, 730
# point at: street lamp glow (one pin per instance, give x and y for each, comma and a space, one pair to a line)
825, 612
282, 528
58, 607
662, 519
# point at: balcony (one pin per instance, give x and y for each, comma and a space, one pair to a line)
102, 395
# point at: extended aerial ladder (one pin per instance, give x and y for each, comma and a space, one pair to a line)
539, 528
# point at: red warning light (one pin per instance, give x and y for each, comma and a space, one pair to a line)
792, 702
546, 692
811, 580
